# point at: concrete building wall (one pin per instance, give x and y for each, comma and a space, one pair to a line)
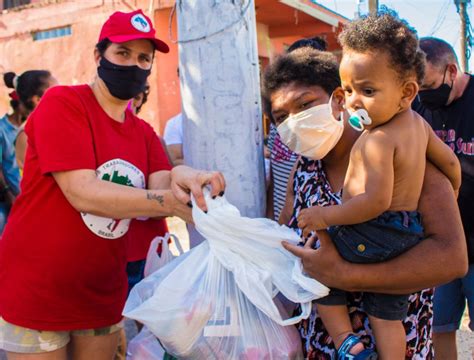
70, 58
166, 92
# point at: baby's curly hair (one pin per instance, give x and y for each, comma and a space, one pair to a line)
306, 66
385, 31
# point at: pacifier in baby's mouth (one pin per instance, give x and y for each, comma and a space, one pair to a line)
359, 118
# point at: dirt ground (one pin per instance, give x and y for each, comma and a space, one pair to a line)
465, 339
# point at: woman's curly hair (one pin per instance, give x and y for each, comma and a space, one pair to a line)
385, 31
305, 66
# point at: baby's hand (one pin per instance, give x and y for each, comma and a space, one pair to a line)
311, 219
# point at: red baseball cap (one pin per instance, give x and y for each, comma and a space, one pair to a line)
121, 27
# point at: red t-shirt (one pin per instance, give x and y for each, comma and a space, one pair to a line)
60, 269
141, 234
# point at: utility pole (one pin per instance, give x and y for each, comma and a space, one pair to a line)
462, 10
358, 13
373, 6
220, 89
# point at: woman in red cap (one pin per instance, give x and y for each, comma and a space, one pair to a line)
91, 166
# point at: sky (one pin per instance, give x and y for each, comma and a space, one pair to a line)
437, 18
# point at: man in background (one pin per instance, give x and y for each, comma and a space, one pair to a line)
446, 101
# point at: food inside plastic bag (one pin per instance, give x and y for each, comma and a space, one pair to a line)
145, 346
218, 300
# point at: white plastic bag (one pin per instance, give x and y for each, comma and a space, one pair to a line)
145, 346
155, 261
218, 300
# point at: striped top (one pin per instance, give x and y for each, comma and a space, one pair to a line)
282, 160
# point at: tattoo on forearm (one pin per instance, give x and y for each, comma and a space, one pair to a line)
151, 196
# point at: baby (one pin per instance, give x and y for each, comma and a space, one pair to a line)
381, 69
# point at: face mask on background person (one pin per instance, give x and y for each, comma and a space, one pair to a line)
435, 99
312, 133
123, 82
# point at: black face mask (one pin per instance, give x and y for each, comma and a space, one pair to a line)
435, 99
123, 82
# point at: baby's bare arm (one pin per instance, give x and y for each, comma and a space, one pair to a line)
376, 161
438, 259
438, 153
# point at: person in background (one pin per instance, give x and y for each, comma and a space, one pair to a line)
139, 100
174, 139
314, 42
30, 87
447, 103
136, 105
282, 158
9, 172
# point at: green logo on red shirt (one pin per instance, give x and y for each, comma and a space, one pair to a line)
120, 172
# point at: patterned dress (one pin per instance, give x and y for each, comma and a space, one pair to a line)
311, 187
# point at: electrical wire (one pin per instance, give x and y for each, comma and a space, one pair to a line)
440, 18
170, 22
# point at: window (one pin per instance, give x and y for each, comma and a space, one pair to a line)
52, 33
9, 4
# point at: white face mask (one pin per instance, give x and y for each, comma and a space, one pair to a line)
312, 132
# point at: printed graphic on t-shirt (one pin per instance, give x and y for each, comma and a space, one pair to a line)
120, 172
456, 143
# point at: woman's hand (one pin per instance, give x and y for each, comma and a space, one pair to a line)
323, 264
186, 181
181, 210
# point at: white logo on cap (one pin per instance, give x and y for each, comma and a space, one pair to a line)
140, 23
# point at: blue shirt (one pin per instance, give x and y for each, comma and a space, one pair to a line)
11, 172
